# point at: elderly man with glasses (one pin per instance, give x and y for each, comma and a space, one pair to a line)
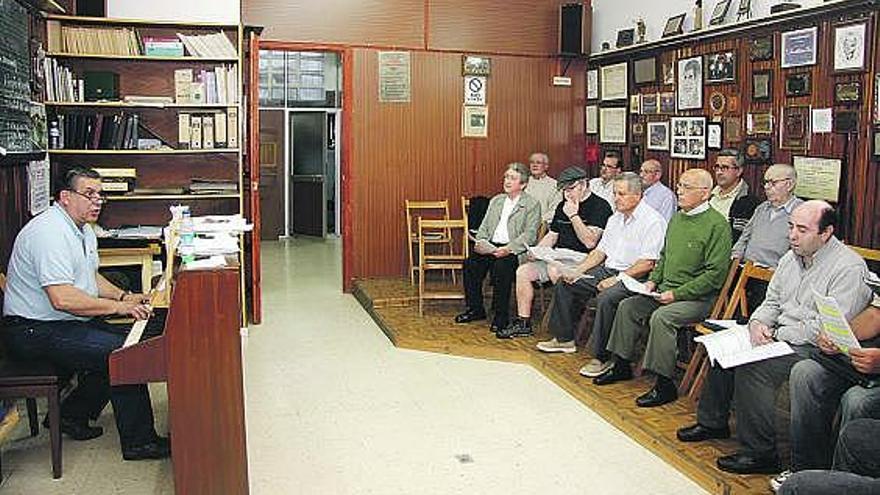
603, 186
684, 282
52, 307
542, 187
731, 196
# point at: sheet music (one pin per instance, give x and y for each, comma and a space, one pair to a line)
562, 256
834, 323
634, 285
732, 347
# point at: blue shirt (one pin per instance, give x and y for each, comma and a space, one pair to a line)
662, 199
50, 250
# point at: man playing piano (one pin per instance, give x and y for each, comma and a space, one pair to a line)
52, 309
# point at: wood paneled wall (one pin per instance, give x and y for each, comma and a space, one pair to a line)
859, 220
414, 150
13, 207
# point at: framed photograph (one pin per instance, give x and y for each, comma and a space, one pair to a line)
717, 102
593, 84
635, 104
592, 124
658, 136
850, 46
719, 13
667, 103
721, 67
638, 129
688, 138
795, 128
625, 37
669, 73
846, 121
612, 125
847, 93
645, 71
798, 84
475, 65
732, 129
799, 47
673, 25
762, 85
759, 123
714, 136
875, 153
690, 83
474, 122
758, 151
613, 83
761, 48
650, 104
635, 154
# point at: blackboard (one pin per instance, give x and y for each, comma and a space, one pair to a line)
17, 123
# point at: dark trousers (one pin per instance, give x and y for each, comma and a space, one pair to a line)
84, 347
503, 274
856, 465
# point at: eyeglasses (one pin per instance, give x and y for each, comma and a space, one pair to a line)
725, 167
773, 182
611, 166
93, 196
688, 187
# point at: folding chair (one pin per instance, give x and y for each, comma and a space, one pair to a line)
453, 260
416, 210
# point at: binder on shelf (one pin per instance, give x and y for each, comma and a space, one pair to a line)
220, 130
183, 79
232, 127
208, 132
184, 125
195, 133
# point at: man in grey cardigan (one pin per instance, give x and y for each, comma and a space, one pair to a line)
510, 225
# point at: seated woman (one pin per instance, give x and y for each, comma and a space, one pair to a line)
510, 224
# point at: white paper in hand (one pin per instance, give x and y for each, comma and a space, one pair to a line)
834, 323
634, 285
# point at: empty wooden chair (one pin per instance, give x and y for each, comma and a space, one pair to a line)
439, 238
452, 260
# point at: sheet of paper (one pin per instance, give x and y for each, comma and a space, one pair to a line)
822, 120
732, 347
215, 261
834, 323
723, 323
483, 246
562, 256
634, 285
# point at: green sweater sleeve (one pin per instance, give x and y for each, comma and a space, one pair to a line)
710, 278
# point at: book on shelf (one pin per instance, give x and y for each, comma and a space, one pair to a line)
183, 79
61, 84
199, 185
97, 131
162, 46
212, 45
195, 132
232, 127
184, 125
92, 40
208, 132
117, 180
159, 101
158, 191
220, 130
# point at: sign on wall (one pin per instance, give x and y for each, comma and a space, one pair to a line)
394, 77
474, 90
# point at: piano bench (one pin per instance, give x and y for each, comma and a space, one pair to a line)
29, 380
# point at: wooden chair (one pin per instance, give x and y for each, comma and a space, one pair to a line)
698, 367
453, 260
29, 380
868, 254
415, 210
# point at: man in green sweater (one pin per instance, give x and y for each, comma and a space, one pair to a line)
685, 281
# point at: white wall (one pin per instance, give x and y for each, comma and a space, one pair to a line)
223, 11
609, 16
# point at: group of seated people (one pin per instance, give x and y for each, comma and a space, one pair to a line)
681, 245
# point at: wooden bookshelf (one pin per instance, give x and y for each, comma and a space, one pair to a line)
137, 22
142, 58
173, 197
143, 152
122, 104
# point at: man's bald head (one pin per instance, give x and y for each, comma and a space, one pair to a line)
811, 225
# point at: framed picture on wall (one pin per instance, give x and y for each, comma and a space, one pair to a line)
875, 153
669, 73
613, 82
719, 13
658, 136
667, 103
847, 93
688, 138
625, 37
635, 104
762, 85
475, 65
649, 104
758, 151
795, 129
645, 71
612, 125
638, 129
720, 67
759, 123
846, 121
673, 26
733, 129
592, 115
690, 83
850, 46
799, 47
713, 136
761, 48
593, 84
798, 84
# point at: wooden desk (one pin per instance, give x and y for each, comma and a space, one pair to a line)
132, 256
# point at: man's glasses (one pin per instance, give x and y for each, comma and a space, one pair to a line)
93, 196
688, 187
773, 182
725, 167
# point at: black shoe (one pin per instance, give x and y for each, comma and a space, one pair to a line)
470, 315
495, 327
698, 433
745, 463
160, 448
519, 328
663, 392
618, 373
77, 429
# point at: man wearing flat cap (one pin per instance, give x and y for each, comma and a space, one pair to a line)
631, 244
577, 225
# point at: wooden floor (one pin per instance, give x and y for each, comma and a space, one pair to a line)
393, 304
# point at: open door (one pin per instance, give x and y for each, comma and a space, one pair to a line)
251, 71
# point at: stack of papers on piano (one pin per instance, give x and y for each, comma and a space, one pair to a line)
732, 347
214, 244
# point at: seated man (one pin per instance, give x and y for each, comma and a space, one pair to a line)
54, 294
577, 225
542, 187
731, 196
510, 224
603, 186
631, 244
656, 194
688, 276
816, 391
856, 466
817, 262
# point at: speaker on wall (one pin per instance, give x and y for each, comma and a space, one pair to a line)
574, 28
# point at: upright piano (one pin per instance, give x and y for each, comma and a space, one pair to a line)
199, 356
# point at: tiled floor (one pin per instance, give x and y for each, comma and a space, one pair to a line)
334, 408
